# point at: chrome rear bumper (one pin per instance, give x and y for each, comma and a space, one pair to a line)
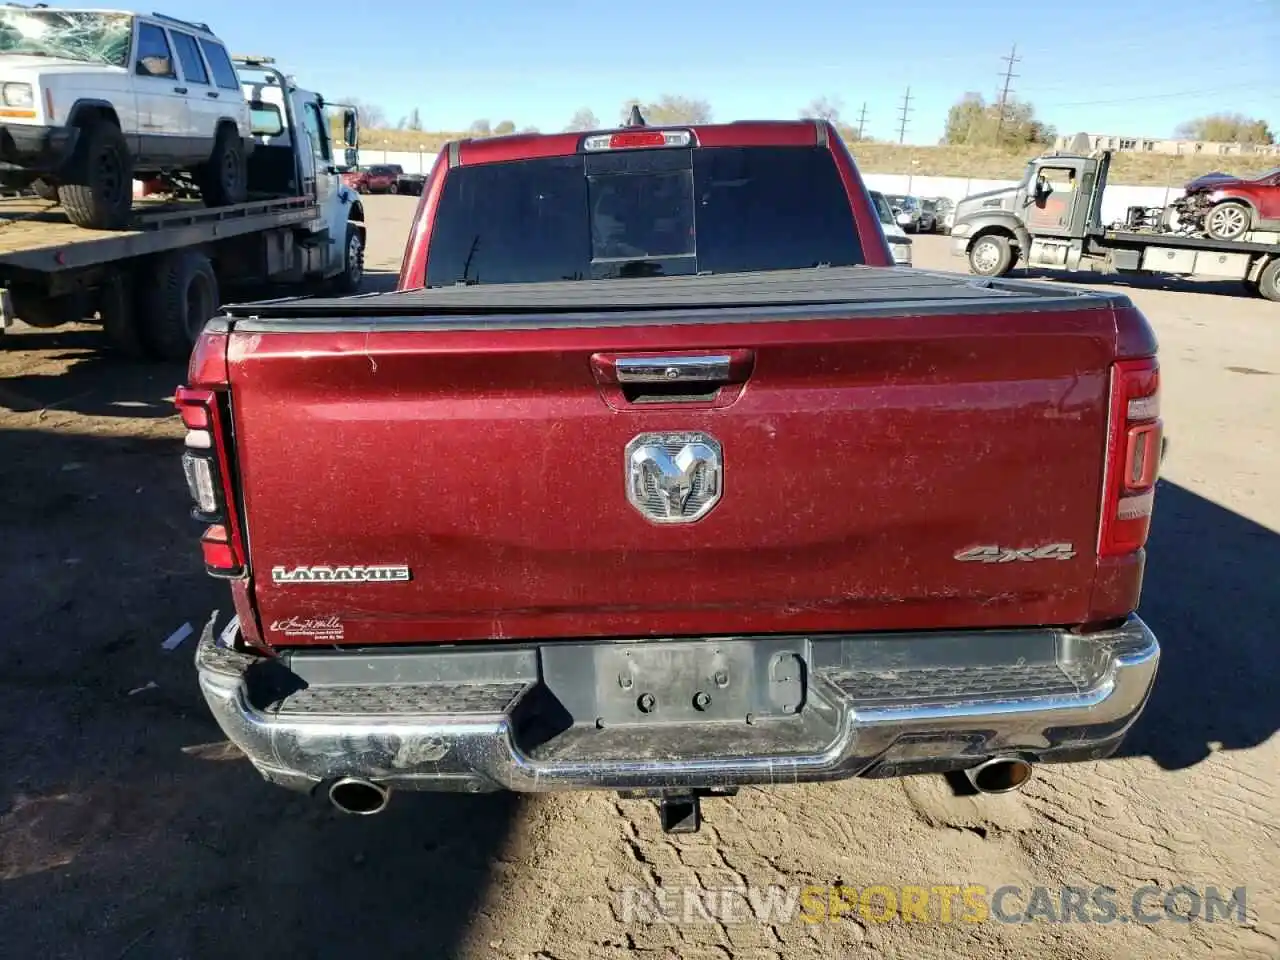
569, 716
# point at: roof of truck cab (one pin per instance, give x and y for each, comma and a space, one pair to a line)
742, 133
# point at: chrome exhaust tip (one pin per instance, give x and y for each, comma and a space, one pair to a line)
999, 775
361, 798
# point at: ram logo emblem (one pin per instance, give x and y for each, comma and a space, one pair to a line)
674, 477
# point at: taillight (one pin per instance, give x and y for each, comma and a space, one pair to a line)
1133, 457
206, 463
632, 141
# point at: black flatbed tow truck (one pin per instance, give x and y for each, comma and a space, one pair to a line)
1052, 220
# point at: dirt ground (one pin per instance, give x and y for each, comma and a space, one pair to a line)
127, 829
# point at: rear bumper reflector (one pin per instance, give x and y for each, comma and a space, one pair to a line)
616, 716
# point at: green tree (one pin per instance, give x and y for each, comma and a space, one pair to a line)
372, 116
823, 108
1226, 128
480, 128
504, 127
972, 121
583, 119
415, 120
669, 109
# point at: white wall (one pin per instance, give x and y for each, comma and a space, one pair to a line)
1114, 201
411, 161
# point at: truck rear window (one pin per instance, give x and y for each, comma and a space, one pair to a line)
642, 213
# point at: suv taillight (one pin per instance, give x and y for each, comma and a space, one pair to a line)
206, 465
1133, 457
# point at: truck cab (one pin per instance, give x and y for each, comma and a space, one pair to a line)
1042, 220
281, 112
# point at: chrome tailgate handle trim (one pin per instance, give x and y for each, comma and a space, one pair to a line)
674, 369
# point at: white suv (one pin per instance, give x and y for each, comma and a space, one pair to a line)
899, 242
89, 99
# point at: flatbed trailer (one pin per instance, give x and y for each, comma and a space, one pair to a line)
153, 285
36, 237
1154, 245
1061, 229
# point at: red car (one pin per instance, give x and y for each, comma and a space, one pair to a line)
654, 476
378, 178
1226, 207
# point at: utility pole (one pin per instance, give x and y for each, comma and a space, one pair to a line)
902, 119
1011, 59
862, 119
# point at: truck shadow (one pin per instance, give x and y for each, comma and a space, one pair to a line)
79, 337
123, 811
84, 377
379, 281
74, 370
1211, 596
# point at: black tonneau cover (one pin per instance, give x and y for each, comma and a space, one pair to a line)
861, 288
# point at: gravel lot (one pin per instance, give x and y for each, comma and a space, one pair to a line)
128, 830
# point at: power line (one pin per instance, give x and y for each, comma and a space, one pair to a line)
1151, 38
1053, 54
862, 119
1243, 74
1011, 59
1154, 96
902, 118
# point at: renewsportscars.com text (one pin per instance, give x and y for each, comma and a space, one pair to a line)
938, 903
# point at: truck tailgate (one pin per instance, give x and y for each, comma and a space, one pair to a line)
445, 469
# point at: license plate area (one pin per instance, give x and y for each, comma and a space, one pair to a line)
678, 681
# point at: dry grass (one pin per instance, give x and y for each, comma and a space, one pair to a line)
991, 164
978, 162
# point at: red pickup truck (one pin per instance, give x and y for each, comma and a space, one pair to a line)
655, 476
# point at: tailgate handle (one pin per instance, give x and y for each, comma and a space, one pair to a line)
715, 377
715, 368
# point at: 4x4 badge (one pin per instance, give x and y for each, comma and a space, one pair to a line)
995, 554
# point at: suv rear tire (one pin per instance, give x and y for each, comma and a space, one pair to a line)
98, 193
224, 178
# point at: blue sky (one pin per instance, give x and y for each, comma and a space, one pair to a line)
1119, 66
